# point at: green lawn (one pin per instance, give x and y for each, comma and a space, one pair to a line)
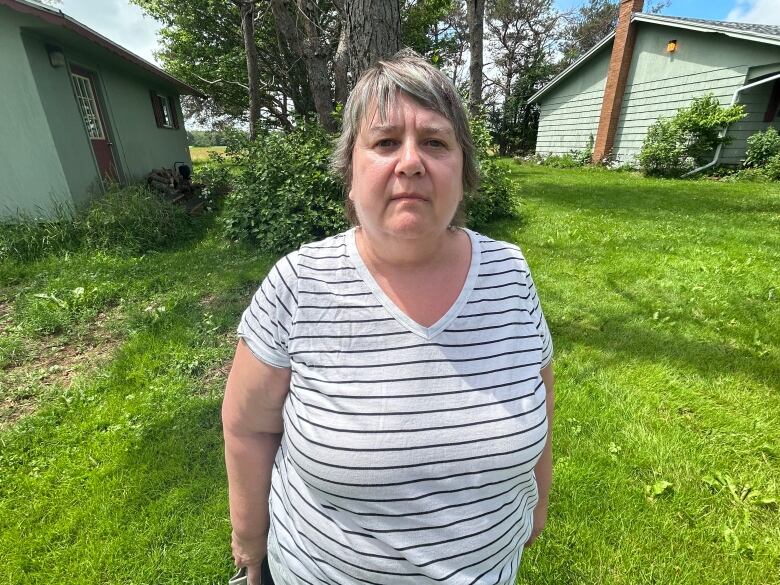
664, 300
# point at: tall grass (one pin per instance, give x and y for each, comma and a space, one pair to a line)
127, 219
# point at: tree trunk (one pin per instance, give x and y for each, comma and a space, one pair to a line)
374, 32
290, 47
247, 9
341, 65
317, 65
475, 13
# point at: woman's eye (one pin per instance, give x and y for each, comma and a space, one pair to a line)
437, 143
385, 143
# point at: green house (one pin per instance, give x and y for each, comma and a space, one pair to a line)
76, 111
649, 68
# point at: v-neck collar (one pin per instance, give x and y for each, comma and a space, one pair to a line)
404, 319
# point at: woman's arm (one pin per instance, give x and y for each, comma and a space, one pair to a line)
252, 426
543, 468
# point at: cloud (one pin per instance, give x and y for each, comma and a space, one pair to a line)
122, 22
756, 11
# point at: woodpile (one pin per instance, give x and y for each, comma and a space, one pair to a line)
177, 187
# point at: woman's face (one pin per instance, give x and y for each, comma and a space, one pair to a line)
406, 172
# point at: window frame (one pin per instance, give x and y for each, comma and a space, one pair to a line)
165, 114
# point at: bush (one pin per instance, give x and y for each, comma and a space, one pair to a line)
772, 168
283, 193
129, 219
493, 198
676, 145
761, 147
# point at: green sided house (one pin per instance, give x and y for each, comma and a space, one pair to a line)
649, 68
77, 109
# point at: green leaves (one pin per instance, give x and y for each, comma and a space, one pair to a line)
675, 145
657, 490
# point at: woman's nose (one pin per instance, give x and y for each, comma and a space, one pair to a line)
410, 163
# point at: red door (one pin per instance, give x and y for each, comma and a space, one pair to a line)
94, 122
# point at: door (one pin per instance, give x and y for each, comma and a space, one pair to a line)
94, 122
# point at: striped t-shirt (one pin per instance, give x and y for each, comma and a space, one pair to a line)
408, 451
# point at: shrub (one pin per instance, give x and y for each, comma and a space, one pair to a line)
283, 193
493, 198
678, 144
772, 167
761, 147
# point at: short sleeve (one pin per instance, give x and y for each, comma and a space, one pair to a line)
266, 323
535, 309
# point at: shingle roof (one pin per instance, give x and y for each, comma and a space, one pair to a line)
762, 29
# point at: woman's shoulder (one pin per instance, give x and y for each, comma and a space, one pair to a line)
325, 247
491, 249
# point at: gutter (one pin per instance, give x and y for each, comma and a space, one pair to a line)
722, 133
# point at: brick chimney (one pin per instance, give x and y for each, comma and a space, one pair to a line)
619, 64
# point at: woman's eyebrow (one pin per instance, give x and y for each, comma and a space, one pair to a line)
385, 128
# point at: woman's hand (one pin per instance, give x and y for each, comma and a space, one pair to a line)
249, 554
540, 519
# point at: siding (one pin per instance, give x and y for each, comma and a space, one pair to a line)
755, 101
33, 181
569, 114
660, 83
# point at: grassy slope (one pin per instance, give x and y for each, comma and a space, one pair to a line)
663, 298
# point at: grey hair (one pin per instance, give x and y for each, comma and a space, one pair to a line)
379, 86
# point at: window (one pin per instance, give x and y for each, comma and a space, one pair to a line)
88, 106
164, 110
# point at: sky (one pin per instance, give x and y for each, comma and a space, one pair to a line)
125, 23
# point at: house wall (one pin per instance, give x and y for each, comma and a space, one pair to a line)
64, 120
32, 179
569, 115
660, 83
142, 145
755, 101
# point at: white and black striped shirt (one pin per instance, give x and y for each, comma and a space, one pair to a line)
408, 451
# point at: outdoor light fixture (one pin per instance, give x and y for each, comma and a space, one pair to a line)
56, 57
671, 46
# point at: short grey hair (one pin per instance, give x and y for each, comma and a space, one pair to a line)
409, 74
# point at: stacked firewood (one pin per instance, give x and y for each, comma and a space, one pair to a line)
163, 180
177, 187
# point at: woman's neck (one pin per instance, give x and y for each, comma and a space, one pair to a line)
412, 253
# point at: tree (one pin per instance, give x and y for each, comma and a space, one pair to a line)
374, 31
522, 36
475, 15
590, 24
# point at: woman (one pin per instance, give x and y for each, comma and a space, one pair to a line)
405, 361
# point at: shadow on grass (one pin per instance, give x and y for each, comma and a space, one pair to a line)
608, 190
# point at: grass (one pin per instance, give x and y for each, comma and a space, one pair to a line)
201, 153
663, 300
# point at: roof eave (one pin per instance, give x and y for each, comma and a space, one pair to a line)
744, 35
58, 18
571, 68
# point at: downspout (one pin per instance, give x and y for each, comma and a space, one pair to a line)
722, 133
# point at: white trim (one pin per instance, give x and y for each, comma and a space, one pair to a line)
712, 28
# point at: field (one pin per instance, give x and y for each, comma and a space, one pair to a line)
201, 153
664, 302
